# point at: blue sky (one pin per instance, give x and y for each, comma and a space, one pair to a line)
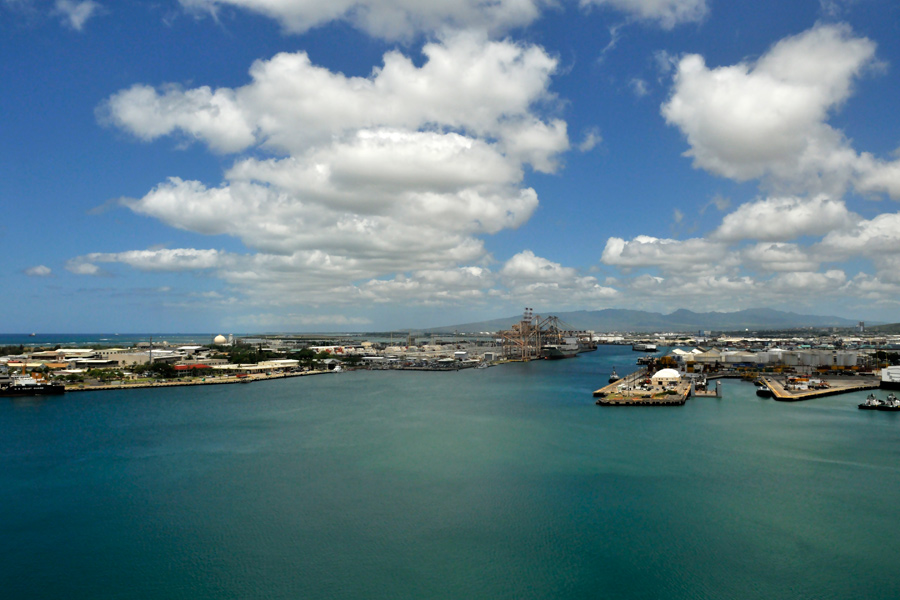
301, 165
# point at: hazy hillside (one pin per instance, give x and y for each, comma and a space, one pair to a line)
888, 329
682, 320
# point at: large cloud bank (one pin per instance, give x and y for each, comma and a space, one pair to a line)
351, 188
768, 120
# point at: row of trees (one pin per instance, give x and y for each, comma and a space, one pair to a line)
308, 357
891, 358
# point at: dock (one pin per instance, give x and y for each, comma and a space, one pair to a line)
629, 380
224, 380
835, 386
698, 391
633, 395
631, 399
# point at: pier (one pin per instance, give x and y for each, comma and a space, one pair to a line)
834, 387
224, 380
631, 391
703, 391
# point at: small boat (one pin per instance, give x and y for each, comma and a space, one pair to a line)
871, 403
613, 377
762, 390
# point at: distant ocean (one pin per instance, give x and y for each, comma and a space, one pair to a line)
505, 482
75, 340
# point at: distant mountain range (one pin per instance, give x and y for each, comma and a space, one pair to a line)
682, 320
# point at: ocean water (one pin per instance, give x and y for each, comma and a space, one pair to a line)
125, 340
497, 483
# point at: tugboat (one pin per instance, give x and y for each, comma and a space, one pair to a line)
871, 403
762, 390
613, 377
891, 404
24, 385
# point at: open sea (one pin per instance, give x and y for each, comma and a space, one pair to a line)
125, 340
505, 482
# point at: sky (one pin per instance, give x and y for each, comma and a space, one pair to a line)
346, 165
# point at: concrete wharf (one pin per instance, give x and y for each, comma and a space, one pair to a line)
649, 400
835, 386
632, 393
629, 380
716, 392
223, 380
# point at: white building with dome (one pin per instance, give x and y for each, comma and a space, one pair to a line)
220, 340
666, 377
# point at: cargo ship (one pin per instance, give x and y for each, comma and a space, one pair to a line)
555, 351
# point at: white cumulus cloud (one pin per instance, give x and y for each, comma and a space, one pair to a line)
647, 251
390, 19
377, 188
778, 257
468, 83
534, 279
76, 14
176, 259
667, 13
767, 118
39, 271
402, 19
784, 219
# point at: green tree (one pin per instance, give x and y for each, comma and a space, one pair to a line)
306, 356
352, 359
163, 370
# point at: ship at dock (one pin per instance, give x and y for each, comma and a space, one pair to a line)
614, 377
644, 347
25, 385
763, 390
535, 337
890, 378
568, 349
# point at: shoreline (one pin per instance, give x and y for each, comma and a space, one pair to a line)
206, 381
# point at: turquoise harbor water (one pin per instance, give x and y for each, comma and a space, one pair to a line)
497, 483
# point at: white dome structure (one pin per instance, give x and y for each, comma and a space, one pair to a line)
220, 339
664, 376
